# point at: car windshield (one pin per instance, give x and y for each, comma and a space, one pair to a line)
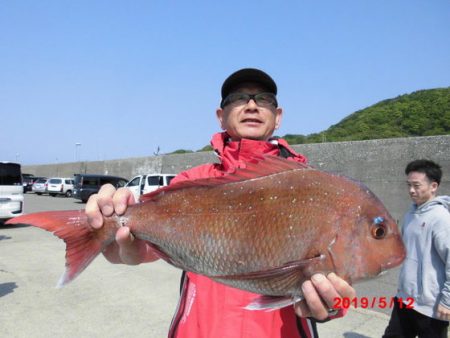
55, 181
41, 180
10, 174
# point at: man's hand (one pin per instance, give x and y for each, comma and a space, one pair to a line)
126, 249
320, 295
443, 313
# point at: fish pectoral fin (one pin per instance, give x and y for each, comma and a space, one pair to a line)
162, 255
284, 270
270, 303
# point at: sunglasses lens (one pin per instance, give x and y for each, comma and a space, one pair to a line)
261, 99
236, 99
265, 99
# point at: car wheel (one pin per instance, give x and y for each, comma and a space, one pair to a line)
53, 195
69, 193
39, 193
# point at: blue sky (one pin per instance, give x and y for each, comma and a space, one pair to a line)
126, 77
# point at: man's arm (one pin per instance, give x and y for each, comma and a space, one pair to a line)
441, 242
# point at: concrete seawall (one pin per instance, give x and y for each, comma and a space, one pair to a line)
377, 163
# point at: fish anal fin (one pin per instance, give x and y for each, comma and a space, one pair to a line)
271, 303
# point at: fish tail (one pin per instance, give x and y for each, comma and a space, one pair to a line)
83, 243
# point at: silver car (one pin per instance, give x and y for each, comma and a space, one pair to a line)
40, 186
60, 186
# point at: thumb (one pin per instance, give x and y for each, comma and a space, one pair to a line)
128, 248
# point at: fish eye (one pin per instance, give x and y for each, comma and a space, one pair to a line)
378, 231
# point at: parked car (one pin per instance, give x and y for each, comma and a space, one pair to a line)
60, 186
27, 182
88, 184
39, 186
11, 190
143, 184
30, 180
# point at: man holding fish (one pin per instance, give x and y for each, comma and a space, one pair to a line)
261, 235
248, 114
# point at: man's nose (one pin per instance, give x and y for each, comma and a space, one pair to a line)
251, 104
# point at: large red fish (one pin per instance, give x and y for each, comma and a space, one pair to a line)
264, 229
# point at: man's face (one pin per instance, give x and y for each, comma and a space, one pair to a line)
421, 190
249, 120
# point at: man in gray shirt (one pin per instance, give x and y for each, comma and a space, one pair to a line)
422, 306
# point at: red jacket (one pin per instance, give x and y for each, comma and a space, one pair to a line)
208, 309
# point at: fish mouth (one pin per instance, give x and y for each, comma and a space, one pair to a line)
382, 272
394, 262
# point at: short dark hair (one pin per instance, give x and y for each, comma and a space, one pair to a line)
431, 169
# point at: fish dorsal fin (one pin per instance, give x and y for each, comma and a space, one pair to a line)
259, 166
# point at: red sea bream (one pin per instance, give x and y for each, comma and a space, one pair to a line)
265, 228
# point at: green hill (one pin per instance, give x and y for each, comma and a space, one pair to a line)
422, 113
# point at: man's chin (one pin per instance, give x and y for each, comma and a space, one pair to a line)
251, 135
255, 138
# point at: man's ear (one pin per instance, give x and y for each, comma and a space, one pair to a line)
219, 114
278, 117
434, 187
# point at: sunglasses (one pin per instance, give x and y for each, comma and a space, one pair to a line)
240, 99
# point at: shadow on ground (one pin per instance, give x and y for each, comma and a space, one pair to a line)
6, 288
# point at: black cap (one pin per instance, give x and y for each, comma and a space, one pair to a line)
248, 75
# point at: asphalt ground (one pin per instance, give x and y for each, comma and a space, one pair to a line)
111, 300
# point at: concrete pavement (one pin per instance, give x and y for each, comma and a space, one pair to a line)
358, 323
110, 300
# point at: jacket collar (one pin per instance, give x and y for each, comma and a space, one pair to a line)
234, 154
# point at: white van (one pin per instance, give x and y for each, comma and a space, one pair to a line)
143, 184
60, 186
11, 190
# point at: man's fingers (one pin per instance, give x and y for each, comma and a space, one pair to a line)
302, 309
93, 213
129, 246
107, 202
121, 200
124, 237
325, 289
344, 289
321, 293
314, 302
443, 313
105, 199
98, 205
